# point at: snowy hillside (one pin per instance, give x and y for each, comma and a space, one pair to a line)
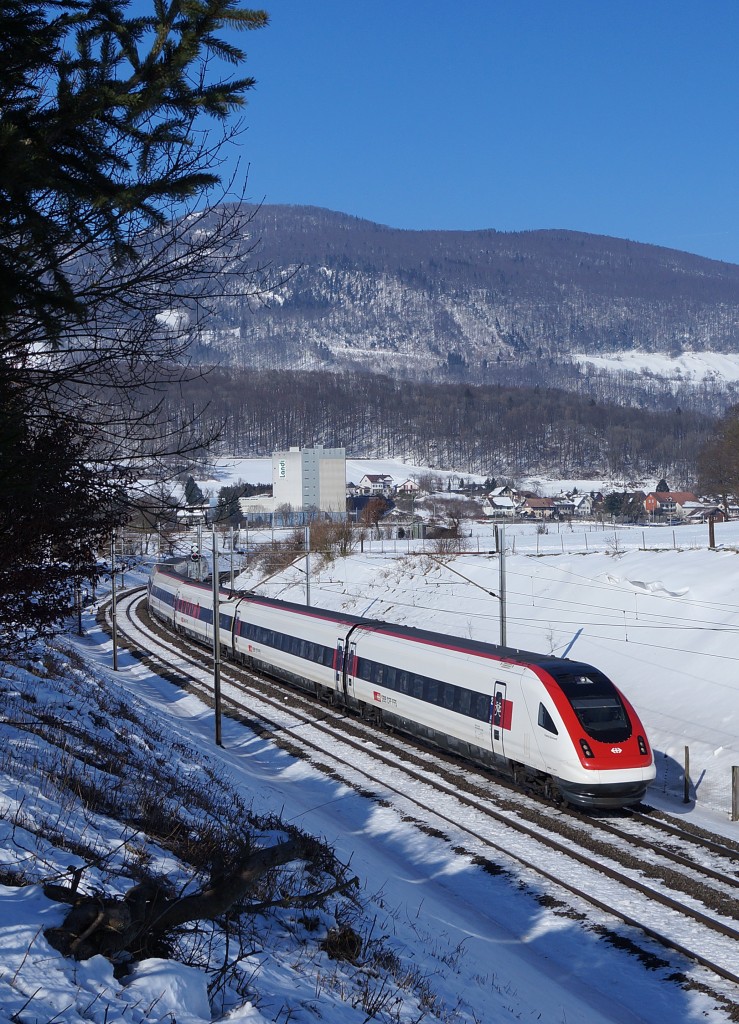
345, 293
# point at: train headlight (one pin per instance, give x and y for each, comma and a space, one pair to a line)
642, 745
586, 748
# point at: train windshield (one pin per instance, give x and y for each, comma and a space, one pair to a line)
597, 704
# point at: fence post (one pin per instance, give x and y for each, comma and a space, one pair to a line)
735, 792
686, 781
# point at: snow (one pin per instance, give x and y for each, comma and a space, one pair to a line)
695, 366
230, 471
655, 608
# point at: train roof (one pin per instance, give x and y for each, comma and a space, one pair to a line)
483, 648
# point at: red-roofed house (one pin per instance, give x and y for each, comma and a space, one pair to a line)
539, 508
669, 503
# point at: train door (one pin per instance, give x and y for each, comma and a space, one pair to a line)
351, 664
339, 664
500, 719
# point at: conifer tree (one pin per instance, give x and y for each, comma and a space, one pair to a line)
112, 135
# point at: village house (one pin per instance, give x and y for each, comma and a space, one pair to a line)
376, 483
564, 506
537, 508
498, 506
669, 504
583, 505
505, 491
702, 511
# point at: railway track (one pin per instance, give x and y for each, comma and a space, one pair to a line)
677, 886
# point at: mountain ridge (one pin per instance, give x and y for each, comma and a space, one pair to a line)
347, 294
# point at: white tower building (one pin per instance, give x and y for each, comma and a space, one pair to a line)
310, 479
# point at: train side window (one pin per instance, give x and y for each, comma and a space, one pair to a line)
431, 691
448, 695
379, 674
481, 708
463, 703
403, 682
390, 674
546, 721
418, 687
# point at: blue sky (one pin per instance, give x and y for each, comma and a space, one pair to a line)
615, 117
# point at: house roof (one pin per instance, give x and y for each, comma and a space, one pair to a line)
539, 503
679, 497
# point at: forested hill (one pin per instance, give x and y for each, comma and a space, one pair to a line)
345, 293
487, 429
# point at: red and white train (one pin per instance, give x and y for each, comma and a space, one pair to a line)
557, 725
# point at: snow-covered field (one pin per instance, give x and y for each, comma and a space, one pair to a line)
690, 366
234, 470
654, 608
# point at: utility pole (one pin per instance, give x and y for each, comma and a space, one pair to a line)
78, 606
216, 642
501, 587
113, 602
78, 597
307, 565
232, 558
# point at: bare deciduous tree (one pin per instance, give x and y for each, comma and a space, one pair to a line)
719, 461
109, 925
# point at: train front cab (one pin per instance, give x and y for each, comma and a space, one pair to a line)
612, 764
